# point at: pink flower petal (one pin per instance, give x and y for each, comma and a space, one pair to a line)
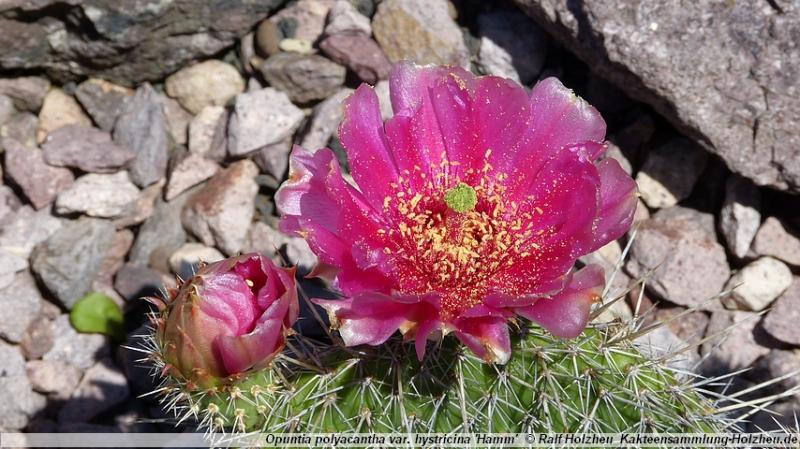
228, 298
368, 319
361, 133
240, 353
617, 203
487, 337
567, 313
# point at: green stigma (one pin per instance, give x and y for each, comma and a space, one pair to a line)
461, 198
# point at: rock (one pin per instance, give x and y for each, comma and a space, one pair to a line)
133, 282
296, 46
266, 240
162, 233
303, 77
421, 31
692, 266
779, 417
6, 108
187, 259
345, 18
614, 152
209, 83
247, 54
69, 260
325, 121
27, 92
142, 208
304, 19
758, 284
177, 120
96, 195
739, 218
690, 327
114, 260
53, 377
128, 43
773, 239
85, 148
188, 172
9, 204
274, 159
102, 387
511, 46
670, 173
21, 303
749, 115
22, 128
359, 53
59, 109
40, 182
142, 128
80, 350
261, 118
10, 265
736, 347
18, 402
662, 342
207, 133
26, 229
267, 37
382, 90
781, 321
103, 101
220, 213
780, 363
38, 338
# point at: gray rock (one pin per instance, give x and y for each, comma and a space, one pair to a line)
102, 387
345, 18
511, 46
220, 213
758, 284
53, 377
143, 207
748, 113
21, 303
22, 128
774, 239
781, 321
735, 347
421, 31
266, 240
207, 133
98, 195
304, 19
325, 121
162, 233
262, 117
128, 44
670, 173
10, 265
27, 92
18, 401
9, 204
85, 148
39, 182
662, 342
6, 108
26, 229
38, 338
187, 259
113, 260
103, 101
59, 109
779, 363
70, 259
359, 53
209, 83
133, 282
780, 417
303, 77
739, 218
690, 327
274, 159
142, 128
188, 172
69, 346
177, 120
692, 266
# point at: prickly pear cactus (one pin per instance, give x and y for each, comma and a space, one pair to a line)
599, 382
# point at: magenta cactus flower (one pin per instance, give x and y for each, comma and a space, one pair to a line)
232, 316
472, 204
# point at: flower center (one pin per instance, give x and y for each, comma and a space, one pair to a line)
458, 242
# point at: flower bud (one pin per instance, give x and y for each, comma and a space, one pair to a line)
232, 316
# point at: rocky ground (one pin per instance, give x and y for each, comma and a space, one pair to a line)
137, 142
